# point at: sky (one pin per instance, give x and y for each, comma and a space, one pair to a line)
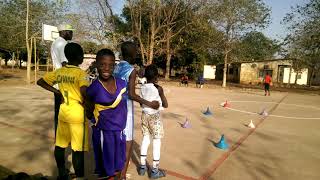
279, 8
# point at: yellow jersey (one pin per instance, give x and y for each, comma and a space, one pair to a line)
69, 79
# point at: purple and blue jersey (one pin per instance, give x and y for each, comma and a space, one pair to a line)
110, 117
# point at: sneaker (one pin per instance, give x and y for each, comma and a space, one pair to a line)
142, 170
157, 173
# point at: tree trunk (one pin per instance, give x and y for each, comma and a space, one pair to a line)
310, 77
289, 81
168, 54
224, 79
27, 44
296, 79
151, 48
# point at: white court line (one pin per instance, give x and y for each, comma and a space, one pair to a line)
271, 115
270, 102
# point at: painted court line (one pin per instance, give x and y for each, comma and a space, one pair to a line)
289, 104
271, 115
234, 147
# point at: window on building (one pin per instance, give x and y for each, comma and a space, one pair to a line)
262, 73
299, 76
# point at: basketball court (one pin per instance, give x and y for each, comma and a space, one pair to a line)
284, 145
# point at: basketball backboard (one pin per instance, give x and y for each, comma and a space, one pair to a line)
49, 33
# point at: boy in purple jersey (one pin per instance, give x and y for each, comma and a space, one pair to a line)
107, 108
125, 70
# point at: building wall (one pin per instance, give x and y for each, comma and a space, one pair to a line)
250, 73
302, 78
209, 72
316, 79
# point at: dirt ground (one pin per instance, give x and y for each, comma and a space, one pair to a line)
284, 145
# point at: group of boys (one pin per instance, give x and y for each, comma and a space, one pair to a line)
106, 104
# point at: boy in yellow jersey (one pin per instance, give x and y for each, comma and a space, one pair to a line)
72, 126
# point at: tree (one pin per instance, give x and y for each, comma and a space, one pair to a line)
147, 21
304, 38
256, 46
233, 18
94, 21
175, 21
28, 45
22, 20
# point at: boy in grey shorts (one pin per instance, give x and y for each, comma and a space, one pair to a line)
151, 122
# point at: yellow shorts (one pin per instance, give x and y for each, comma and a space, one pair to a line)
74, 133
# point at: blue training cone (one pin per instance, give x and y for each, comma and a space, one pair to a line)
208, 112
222, 144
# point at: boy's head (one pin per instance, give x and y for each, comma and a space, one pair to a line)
105, 61
151, 73
74, 53
129, 51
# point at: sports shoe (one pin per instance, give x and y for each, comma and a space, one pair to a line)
142, 170
157, 173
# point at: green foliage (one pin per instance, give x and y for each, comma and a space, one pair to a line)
256, 46
90, 47
304, 37
13, 18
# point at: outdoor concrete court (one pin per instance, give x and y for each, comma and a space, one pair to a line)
285, 145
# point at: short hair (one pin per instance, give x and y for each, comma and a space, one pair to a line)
104, 52
127, 47
151, 72
74, 53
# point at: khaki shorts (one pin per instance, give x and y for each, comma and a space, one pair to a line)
74, 133
152, 125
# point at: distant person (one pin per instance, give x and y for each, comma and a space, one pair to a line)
267, 83
125, 71
184, 80
72, 126
107, 107
151, 123
200, 81
59, 60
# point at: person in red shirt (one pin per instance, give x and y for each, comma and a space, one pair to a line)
184, 80
267, 82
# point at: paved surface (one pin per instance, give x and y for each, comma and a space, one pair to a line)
279, 148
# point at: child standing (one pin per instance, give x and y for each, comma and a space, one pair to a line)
107, 107
72, 126
151, 122
125, 70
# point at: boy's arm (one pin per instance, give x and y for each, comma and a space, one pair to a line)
83, 92
89, 108
46, 86
135, 97
162, 96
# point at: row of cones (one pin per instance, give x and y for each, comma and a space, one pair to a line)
209, 113
187, 124
222, 144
